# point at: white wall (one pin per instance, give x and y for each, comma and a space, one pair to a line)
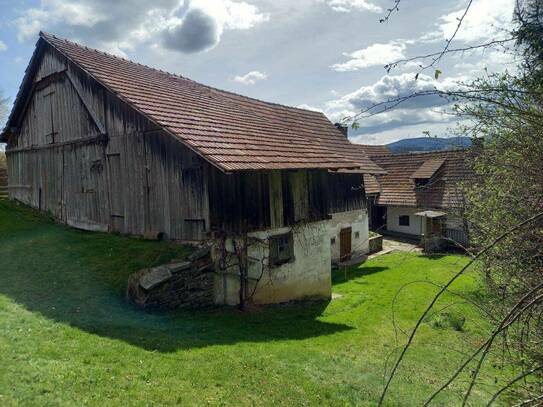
358, 221
307, 276
393, 218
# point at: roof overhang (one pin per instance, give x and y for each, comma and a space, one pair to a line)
357, 171
431, 214
428, 168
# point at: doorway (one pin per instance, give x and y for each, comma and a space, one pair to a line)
345, 247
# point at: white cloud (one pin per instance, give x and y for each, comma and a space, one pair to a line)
3, 46
52, 12
481, 60
391, 87
375, 55
484, 21
345, 6
423, 110
201, 26
309, 107
250, 78
186, 26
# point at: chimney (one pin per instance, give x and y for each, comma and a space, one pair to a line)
342, 128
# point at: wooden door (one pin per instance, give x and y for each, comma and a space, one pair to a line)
345, 244
115, 192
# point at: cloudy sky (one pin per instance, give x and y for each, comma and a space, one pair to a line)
320, 54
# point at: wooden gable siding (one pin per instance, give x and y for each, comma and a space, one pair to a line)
132, 179
346, 192
256, 200
239, 202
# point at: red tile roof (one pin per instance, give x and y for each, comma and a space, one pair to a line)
428, 168
372, 150
231, 131
397, 188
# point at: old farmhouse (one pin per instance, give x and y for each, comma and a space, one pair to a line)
105, 144
420, 196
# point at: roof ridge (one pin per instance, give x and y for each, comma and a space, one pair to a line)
452, 150
46, 35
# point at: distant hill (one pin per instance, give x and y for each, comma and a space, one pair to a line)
419, 144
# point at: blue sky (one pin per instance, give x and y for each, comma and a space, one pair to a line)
320, 54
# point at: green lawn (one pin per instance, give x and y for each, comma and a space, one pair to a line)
67, 337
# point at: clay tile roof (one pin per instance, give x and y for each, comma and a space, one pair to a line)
373, 150
231, 131
371, 184
428, 168
397, 187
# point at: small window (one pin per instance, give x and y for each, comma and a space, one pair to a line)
357, 235
333, 241
404, 220
281, 249
421, 182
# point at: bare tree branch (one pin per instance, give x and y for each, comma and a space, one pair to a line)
441, 53
390, 10
516, 379
444, 289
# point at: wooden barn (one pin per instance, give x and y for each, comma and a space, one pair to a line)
105, 144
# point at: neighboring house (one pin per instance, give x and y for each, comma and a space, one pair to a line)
105, 144
420, 196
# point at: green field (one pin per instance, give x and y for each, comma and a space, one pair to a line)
67, 336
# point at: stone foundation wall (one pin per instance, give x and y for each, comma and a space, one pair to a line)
178, 285
375, 244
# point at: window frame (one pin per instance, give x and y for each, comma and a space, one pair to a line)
403, 217
275, 260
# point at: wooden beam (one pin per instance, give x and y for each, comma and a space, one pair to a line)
89, 108
49, 79
84, 140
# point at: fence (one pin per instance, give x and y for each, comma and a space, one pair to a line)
457, 236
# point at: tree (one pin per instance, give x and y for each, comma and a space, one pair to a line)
504, 205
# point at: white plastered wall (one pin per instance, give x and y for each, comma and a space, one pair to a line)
415, 222
358, 221
307, 276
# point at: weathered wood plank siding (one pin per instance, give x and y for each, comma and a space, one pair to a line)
250, 201
346, 192
95, 163
239, 202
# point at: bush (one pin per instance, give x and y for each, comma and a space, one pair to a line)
445, 320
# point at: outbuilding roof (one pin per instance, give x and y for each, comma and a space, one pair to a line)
372, 149
428, 168
231, 131
442, 189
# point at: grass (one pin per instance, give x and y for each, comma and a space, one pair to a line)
67, 337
